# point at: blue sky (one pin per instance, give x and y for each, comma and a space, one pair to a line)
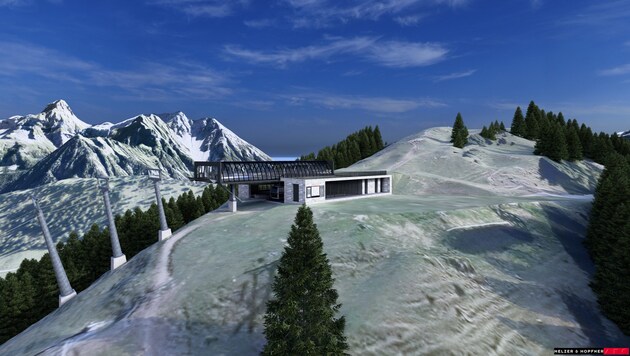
291, 76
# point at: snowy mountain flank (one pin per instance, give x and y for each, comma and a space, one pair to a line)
478, 249
208, 140
71, 205
55, 145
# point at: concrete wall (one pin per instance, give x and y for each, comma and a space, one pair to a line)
373, 183
321, 183
243, 191
386, 185
288, 190
371, 186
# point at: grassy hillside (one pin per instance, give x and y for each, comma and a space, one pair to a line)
464, 257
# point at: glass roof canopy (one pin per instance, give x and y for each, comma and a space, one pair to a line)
226, 172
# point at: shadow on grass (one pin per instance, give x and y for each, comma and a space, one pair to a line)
488, 239
554, 176
570, 233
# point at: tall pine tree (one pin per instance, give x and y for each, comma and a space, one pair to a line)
300, 320
531, 121
459, 135
557, 145
574, 147
518, 123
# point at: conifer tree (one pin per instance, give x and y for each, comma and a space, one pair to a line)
378, 138
557, 145
300, 319
502, 127
574, 147
484, 132
518, 123
531, 121
560, 119
459, 135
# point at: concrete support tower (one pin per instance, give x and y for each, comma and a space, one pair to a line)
232, 205
118, 258
65, 290
164, 233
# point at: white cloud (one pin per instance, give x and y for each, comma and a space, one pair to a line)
621, 70
387, 53
370, 104
456, 75
601, 13
406, 54
503, 105
260, 23
323, 13
13, 2
202, 8
412, 20
181, 79
283, 57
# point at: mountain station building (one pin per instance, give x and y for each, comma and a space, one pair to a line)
296, 182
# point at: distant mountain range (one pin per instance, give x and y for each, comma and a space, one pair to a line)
625, 134
55, 144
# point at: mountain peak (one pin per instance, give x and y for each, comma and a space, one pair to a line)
59, 104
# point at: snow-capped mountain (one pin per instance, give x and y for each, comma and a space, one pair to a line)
99, 156
208, 140
24, 140
56, 145
624, 134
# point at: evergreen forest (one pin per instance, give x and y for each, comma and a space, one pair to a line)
355, 147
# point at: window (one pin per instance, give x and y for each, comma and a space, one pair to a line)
312, 192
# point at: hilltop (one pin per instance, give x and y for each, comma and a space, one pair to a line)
478, 250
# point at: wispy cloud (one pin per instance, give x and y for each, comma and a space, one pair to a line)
202, 8
13, 2
259, 23
407, 54
536, 4
601, 14
16, 3
151, 79
323, 13
366, 103
456, 75
412, 20
387, 53
620, 70
504, 105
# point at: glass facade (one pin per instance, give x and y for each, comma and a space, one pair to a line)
260, 171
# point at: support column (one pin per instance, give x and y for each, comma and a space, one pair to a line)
65, 290
155, 175
164, 232
118, 258
232, 205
